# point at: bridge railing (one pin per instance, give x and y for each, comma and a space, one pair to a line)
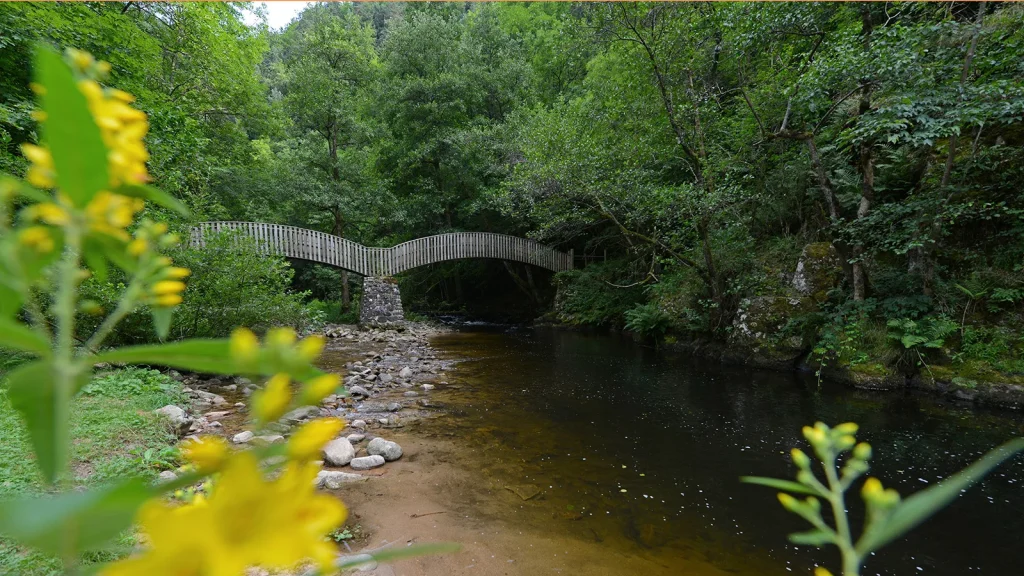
295, 242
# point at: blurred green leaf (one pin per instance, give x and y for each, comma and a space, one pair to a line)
812, 538
32, 391
14, 334
154, 195
162, 321
784, 485
201, 355
74, 521
69, 130
21, 188
920, 506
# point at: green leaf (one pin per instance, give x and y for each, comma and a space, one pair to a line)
154, 195
812, 538
73, 520
917, 508
400, 553
21, 188
70, 132
200, 355
32, 391
14, 334
162, 321
784, 485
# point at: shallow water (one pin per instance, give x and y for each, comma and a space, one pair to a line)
606, 441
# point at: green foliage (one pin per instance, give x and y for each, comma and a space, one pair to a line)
917, 334
648, 320
889, 517
333, 313
134, 381
590, 296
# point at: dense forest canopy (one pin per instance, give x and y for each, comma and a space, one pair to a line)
690, 152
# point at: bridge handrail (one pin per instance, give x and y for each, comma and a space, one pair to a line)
302, 243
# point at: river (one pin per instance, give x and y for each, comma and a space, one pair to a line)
611, 442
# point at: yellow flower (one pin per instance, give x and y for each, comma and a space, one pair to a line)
280, 338
82, 60
168, 300
271, 402
137, 247
309, 348
307, 441
123, 129
38, 238
244, 345
208, 453
168, 287
320, 387
819, 571
246, 521
41, 171
176, 272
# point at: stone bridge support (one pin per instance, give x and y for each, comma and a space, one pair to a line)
382, 302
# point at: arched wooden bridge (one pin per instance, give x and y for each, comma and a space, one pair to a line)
295, 242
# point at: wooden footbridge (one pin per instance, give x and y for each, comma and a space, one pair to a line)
295, 242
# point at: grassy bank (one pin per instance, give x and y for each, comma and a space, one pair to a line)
115, 434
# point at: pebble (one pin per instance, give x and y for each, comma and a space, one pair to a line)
167, 476
428, 386
359, 424
358, 391
355, 438
405, 373
268, 439
394, 407
410, 394
334, 479
243, 437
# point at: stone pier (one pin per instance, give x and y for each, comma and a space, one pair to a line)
382, 302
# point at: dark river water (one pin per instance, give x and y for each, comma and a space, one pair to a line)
643, 451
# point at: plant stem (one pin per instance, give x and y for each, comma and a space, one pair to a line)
65, 368
124, 307
851, 560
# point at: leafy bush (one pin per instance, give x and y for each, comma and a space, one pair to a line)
331, 312
232, 284
134, 381
648, 320
591, 295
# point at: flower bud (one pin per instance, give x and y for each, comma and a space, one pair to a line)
799, 458
208, 453
845, 442
820, 571
244, 346
280, 338
271, 403
862, 451
872, 490
320, 387
847, 428
309, 439
788, 502
309, 348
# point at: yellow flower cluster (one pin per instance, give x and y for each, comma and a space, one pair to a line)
166, 284
123, 129
247, 521
283, 353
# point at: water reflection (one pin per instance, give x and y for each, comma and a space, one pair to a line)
643, 450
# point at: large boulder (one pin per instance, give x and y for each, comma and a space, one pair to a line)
339, 452
758, 332
818, 271
389, 450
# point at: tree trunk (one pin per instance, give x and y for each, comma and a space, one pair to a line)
866, 166
935, 230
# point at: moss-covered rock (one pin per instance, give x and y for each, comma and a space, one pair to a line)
758, 332
818, 271
973, 382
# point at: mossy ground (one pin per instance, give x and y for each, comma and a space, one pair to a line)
114, 434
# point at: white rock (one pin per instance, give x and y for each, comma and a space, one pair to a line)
243, 437
391, 451
358, 391
334, 479
386, 378
366, 462
167, 476
339, 452
179, 419
359, 424
405, 373
428, 386
356, 438
268, 439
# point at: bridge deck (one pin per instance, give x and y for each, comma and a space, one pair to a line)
295, 242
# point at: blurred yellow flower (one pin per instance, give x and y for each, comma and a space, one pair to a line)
307, 441
208, 453
38, 238
271, 402
40, 171
244, 346
309, 348
246, 521
320, 387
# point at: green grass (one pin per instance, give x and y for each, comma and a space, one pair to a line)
114, 434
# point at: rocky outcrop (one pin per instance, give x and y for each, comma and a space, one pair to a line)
381, 304
759, 337
818, 271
